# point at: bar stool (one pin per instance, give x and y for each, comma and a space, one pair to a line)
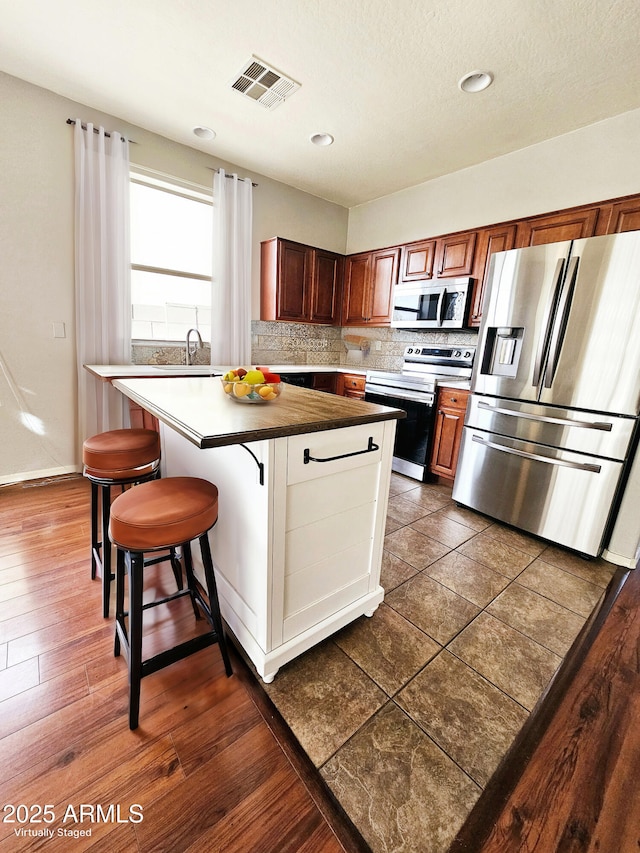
119, 457
153, 517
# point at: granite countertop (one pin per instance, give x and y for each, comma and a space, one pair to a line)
198, 409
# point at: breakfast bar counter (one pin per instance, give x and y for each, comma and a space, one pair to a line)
303, 489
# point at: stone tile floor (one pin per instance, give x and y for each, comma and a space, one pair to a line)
407, 714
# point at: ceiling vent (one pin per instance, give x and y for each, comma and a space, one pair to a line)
264, 84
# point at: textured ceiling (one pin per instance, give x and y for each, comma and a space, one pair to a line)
380, 77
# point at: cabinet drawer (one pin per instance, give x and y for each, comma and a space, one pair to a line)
451, 398
332, 451
353, 381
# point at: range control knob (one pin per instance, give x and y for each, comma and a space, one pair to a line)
467, 354
409, 350
457, 354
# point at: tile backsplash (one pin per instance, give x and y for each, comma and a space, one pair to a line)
381, 348
274, 343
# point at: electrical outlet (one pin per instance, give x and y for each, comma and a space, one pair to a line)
377, 345
59, 330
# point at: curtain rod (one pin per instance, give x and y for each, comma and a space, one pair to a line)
96, 130
230, 176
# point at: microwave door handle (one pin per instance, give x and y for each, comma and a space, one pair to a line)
560, 326
543, 341
441, 305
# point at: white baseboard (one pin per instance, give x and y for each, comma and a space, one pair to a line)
7, 479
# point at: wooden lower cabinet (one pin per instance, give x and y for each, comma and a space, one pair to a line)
351, 385
325, 382
451, 408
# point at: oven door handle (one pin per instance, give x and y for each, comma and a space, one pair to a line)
400, 394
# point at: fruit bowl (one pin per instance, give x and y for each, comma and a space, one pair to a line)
245, 392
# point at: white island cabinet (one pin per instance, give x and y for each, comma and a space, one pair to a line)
303, 489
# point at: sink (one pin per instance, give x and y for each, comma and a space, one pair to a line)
185, 370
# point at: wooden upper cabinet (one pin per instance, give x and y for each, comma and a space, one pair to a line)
490, 240
444, 257
299, 283
326, 289
454, 255
417, 260
571, 225
368, 287
620, 216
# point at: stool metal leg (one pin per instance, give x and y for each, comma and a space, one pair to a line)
95, 544
214, 605
120, 612
135, 566
106, 551
191, 581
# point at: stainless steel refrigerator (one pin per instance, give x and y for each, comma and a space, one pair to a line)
552, 422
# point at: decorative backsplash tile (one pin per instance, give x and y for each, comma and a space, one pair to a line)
303, 343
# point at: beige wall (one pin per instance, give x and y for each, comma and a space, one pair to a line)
37, 371
592, 164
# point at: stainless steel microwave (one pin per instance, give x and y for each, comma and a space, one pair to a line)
442, 304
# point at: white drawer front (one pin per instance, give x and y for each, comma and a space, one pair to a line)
327, 536
343, 447
311, 500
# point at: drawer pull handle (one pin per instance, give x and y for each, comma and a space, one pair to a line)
371, 448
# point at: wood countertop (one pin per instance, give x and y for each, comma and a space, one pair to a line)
198, 409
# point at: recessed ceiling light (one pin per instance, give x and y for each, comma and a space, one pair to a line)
475, 81
204, 132
321, 139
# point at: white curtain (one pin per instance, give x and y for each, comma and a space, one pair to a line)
103, 281
231, 285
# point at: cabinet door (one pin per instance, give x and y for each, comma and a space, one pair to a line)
625, 216
448, 431
294, 271
325, 382
384, 274
356, 290
454, 255
557, 227
326, 288
416, 261
490, 240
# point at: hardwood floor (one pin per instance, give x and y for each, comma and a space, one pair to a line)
571, 781
205, 769
213, 766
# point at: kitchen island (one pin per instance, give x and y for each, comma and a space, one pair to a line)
304, 486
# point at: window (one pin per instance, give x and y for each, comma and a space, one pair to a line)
171, 225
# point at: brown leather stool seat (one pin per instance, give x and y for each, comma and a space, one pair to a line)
156, 516
115, 454
118, 457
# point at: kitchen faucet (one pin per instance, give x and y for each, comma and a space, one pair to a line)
198, 345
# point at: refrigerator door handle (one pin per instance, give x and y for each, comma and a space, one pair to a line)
561, 323
581, 466
543, 342
602, 425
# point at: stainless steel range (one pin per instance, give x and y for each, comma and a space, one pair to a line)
414, 391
